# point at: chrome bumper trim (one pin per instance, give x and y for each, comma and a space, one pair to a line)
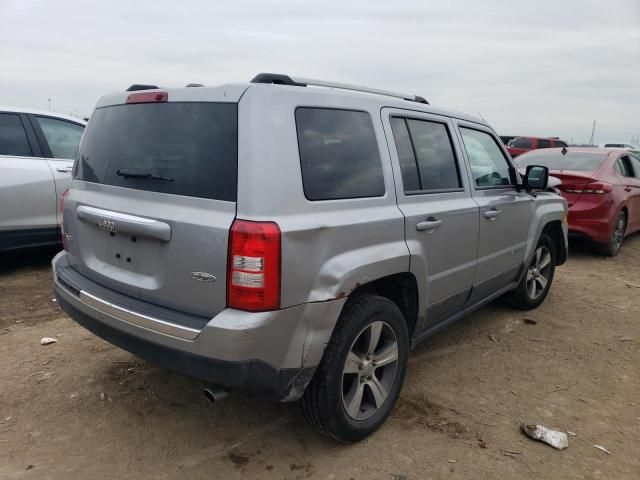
131, 317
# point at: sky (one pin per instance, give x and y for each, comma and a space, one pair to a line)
542, 68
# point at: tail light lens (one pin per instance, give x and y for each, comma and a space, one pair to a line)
62, 197
253, 272
598, 187
593, 187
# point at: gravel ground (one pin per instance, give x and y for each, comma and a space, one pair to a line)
80, 408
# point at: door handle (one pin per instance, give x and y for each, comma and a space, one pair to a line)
492, 214
627, 189
428, 225
64, 169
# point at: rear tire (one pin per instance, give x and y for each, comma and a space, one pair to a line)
612, 248
537, 279
361, 373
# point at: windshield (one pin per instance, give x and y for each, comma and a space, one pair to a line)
572, 160
186, 149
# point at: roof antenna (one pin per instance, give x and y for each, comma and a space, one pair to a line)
564, 150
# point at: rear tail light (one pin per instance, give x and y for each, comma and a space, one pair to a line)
253, 272
148, 97
63, 238
598, 187
593, 187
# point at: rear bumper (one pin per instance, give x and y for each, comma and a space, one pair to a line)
592, 217
594, 233
270, 354
595, 230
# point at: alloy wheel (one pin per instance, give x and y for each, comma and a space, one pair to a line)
369, 370
618, 233
538, 272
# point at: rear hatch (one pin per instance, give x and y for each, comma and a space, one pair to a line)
153, 198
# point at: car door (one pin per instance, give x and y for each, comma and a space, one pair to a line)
441, 218
505, 213
27, 194
632, 188
60, 140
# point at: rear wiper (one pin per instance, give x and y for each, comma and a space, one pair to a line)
134, 174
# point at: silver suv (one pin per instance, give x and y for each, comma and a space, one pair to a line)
295, 238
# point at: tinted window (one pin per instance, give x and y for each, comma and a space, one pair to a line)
489, 167
555, 160
13, 139
521, 143
63, 137
544, 143
339, 154
636, 166
436, 160
408, 165
623, 166
182, 148
559, 143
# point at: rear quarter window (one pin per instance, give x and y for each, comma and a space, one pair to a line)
339, 155
521, 143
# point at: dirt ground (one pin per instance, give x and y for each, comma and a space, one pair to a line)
80, 408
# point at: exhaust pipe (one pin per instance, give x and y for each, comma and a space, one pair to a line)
215, 393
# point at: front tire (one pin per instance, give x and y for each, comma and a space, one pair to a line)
536, 281
361, 373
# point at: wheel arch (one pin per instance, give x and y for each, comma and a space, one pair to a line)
399, 288
556, 233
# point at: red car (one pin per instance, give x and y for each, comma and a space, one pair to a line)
520, 145
602, 188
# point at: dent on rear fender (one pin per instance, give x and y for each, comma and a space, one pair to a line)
342, 274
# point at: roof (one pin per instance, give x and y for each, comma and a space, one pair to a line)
46, 113
233, 92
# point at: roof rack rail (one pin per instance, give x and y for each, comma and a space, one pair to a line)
279, 79
136, 86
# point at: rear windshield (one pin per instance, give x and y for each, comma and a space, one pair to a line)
577, 161
186, 149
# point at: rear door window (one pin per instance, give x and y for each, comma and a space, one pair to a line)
339, 154
544, 143
13, 138
406, 157
623, 166
434, 152
489, 167
62, 137
636, 166
426, 156
182, 148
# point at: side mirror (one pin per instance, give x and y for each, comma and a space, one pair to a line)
536, 177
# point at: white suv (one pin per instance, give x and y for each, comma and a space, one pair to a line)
37, 150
